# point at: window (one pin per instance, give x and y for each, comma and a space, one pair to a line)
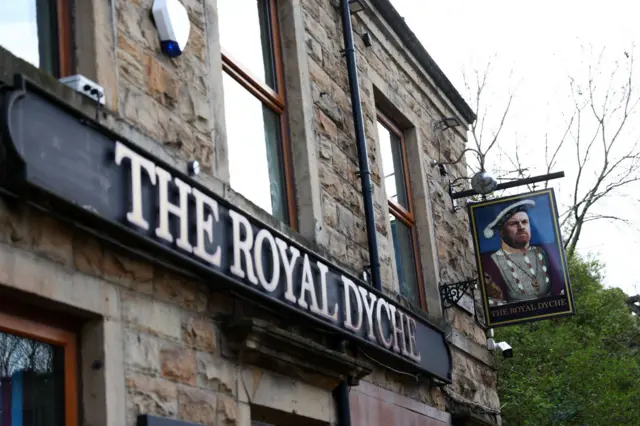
38, 32
255, 108
38, 376
401, 215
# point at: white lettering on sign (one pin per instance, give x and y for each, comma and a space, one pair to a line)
323, 291
138, 162
204, 227
369, 300
188, 218
351, 288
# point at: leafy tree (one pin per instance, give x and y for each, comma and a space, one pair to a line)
579, 370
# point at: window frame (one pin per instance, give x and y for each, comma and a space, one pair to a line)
64, 43
405, 215
275, 100
32, 329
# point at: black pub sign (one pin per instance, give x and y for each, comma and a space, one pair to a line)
69, 164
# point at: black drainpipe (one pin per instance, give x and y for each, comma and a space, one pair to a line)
365, 173
341, 393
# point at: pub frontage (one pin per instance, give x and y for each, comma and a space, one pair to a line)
196, 247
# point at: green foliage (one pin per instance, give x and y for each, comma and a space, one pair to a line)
579, 370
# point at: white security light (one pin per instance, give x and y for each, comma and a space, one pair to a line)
172, 22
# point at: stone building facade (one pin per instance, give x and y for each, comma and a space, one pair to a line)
143, 336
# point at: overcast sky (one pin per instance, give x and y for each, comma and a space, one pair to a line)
534, 47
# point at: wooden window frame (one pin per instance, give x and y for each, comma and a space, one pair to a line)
405, 215
25, 327
274, 99
64, 42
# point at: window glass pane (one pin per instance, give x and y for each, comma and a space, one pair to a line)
405, 260
254, 148
28, 30
31, 382
392, 166
245, 33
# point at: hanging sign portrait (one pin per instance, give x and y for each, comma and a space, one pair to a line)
522, 268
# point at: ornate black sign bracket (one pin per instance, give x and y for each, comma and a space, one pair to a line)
450, 294
455, 195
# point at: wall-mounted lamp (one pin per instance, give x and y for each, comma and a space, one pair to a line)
448, 122
483, 183
356, 6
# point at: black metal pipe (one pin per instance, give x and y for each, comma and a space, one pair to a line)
363, 159
341, 394
513, 184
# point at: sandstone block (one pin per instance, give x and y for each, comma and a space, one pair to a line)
329, 210
132, 273
337, 244
346, 222
151, 316
316, 30
140, 109
325, 148
181, 291
197, 406
92, 258
148, 395
141, 352
178, 364
128, 16
197, 44
195, 109
314, 49
204, 151
13, 226
216, 373
325, 125
227, 411
160, 82
342, 165
331, 182
130, 47
52, 239
200, 334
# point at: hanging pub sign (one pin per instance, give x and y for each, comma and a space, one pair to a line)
70, 165
521, 263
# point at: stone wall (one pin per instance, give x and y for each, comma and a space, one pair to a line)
154, 326
389, 76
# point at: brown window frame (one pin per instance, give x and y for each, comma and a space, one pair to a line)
23, 326
274, 99
64, 42
404, 215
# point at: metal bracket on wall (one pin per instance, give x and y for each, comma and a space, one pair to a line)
455, 194
453, 186
450, 294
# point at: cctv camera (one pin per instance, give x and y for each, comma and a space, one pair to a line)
172, 21
505, 348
